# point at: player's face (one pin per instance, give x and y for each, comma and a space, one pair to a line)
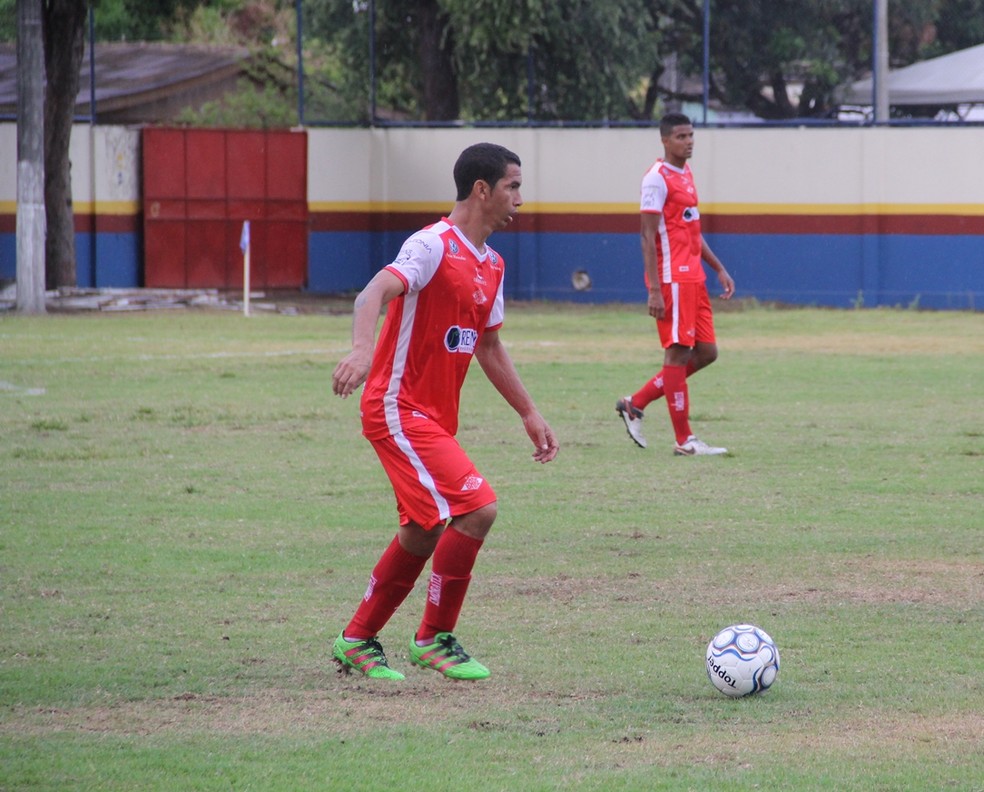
679, 145
506, 198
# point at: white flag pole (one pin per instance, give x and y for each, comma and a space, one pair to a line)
244, 246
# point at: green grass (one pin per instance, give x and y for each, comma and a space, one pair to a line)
189, 517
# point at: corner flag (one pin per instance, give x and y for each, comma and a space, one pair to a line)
244, 246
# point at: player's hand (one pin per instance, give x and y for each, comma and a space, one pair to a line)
728, 283
542, 436
350, 373
656, 305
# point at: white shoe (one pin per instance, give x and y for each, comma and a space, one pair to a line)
695, 447
632, 416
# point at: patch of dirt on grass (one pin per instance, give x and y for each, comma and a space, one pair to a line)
871, 736
953, 584
957, 584
346, 707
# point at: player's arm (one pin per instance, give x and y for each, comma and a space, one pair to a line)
649, 226
727, 282
353, 369
498, 367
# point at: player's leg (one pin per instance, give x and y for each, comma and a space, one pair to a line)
422, 511
454, 560
631, 408
704, 353
676, 357
705, 348
391, 581
434, 645
472, 503
435, 481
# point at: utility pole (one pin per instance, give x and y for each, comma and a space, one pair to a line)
881, 62
30, 159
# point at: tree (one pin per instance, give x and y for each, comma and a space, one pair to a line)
593, 59
30, 159
64, 46
503, 59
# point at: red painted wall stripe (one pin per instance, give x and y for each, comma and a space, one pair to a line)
924, 225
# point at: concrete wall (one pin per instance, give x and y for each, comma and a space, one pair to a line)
831, 216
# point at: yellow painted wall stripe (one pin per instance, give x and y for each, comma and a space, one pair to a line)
964, 210
706, 208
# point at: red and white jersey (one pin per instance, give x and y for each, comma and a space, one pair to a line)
452, 295
670, 192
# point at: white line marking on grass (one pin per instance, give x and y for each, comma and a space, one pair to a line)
146, 357
9, 387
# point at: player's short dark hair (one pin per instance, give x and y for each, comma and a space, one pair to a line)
671, 120
482, 162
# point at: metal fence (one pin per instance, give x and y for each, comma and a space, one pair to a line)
808, 63
365, 63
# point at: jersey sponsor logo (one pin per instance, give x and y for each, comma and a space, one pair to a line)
406, 252
690, 214
460, 339
454, 251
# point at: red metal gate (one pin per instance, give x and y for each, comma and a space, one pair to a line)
199, 185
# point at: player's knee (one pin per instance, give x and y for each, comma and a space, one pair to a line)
706, 355
477, 523
485, 516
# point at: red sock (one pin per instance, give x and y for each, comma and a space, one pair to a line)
391, 581
649, 392
677, 400
654, 389
454, 559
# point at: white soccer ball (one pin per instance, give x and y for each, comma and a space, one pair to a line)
742, 659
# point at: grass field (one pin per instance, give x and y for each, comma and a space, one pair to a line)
189, 517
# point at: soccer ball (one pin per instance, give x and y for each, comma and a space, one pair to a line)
742, 659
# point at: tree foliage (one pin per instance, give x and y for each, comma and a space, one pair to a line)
537, 60
502, 59
575, 60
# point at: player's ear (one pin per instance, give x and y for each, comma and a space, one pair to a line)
482, 189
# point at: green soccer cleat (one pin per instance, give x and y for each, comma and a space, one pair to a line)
447, 656
365, 657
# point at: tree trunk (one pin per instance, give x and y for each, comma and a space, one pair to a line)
64, 45
30, 158
435, 48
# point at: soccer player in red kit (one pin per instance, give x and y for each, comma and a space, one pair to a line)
445, 305
672, 251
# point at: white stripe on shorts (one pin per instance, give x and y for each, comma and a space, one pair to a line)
423, 476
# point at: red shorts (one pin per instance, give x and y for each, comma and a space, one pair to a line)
432, 477
688, 319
